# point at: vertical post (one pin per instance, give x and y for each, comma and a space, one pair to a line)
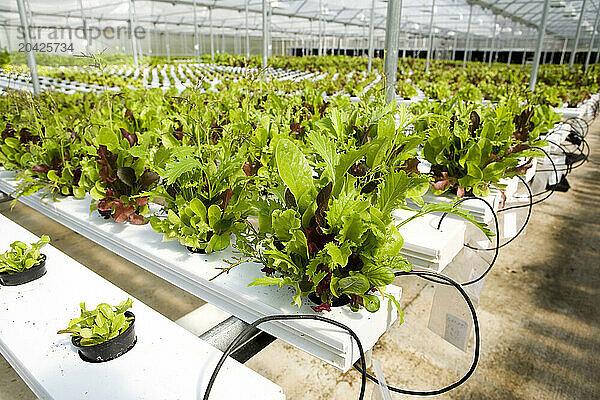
493, 41
538, 50
212, 36
30, 54
85, 31
454, 46
222, 39
371, 30
269, 28
247, 32
564, 50
265, 34
392, 30
468, 38
7, 38
196, 38
589, 53
132, 36
430, 43
138, 43
150, 39
577, 34
168, 43
320, 28
510, 51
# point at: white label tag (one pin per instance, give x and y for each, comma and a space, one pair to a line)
456, 331
510, 224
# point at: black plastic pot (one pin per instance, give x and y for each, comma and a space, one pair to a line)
194, 250
468, 193
336, 302
31, 274
110, 349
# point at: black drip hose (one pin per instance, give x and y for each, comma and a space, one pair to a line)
494, 249
239, 339
428, 275
439, 278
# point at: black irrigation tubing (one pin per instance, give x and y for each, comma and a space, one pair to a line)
529, 208
495, 249
242, 337
438, 278
549, 191
567, 168
578, 120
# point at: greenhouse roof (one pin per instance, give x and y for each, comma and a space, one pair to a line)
295, 18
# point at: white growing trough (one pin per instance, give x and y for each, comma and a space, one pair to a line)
167, 362
229, 292
425, 246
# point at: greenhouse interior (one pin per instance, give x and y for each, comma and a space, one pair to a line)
299, 199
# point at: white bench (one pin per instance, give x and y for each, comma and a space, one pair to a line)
167, 361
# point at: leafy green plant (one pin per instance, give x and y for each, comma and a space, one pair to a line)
122, 175
471, 148
22, 256
320, 232
206, 197
97, 326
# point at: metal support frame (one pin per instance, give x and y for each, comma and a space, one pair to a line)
564, 50
493, 47
320, 52
591, 46
454, 46
538, 51
132, 35
371, 31
221, 336
247, 31
168, 43
84, 26
4, 197
577, 35
468, 38
392, 31
430, 43
30, 54
196, 39
212, 35
510, 51
265, 34
139, 41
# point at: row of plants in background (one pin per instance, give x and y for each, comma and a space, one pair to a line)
557, 85
302, 166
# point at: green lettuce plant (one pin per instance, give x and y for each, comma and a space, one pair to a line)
22, 256
97, 326
206, 198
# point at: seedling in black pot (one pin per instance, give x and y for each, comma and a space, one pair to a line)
23, 263
104, 333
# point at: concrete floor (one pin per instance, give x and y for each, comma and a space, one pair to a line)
539, 314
